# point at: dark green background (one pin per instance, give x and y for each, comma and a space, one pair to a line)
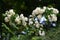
26, 6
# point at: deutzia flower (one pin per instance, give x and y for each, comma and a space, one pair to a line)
26, 19
17, 20
42, 33
42, 11
37, 24
54, 18
11, 11
41, 28
50, 8
30, 21
24, 22
30, 16
6, 19
8, 16
22, 16
44, 7
55, 11
39, 16
37, 11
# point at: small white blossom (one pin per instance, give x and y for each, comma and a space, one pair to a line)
56, 11
8, 16
52, 17
22, 17
36, 22
17, 20
30, 15
42, 11
44, 7
39, 16
37, 25
41, 28
30, 21
37, 11
11, 11
42, 33
50, 8
24, 23
6, 19
26, 19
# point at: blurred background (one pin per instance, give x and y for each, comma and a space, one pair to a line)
26, 6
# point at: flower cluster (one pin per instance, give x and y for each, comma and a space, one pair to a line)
35, 22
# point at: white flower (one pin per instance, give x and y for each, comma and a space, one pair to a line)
26, 19
11, 11
42, 33
37, 11
30, 21
36, 22
6, 12
21, 15
37, 25
33, 14
8, 16
30, 15
6, 19
56, 11
42, 11
24, 22
54, 18
39, 16
50, 8
44, 7
17, 20
41, 28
